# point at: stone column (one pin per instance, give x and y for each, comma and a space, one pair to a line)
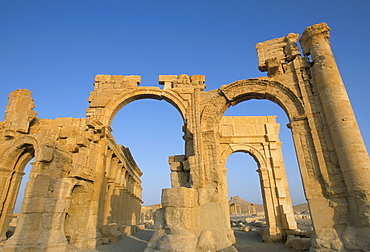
127, 208
348, 143
254, 211
271, 232
121, 206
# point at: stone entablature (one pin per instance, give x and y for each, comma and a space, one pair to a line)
70, 163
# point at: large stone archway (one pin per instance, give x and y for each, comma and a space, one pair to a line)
111, 93
70, 152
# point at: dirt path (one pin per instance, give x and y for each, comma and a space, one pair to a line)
251, 242
246, 242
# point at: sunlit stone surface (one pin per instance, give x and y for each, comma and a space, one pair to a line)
85, 189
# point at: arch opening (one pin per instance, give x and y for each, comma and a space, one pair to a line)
153, 93
18, 164
243, 182
260, 107
153, 131
252, 127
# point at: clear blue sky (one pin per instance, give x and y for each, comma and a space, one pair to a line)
55, 48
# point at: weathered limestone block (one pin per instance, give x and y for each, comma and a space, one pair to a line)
178, 242
180, 176
53, 237
274, 54
82, 141
207, 240
356, 238
181, 81
19, 113
167, 80
113, 232
105, 240
178, 219
127, 230
327, 238
106, 87
45, 154
116, 81
178, 197
198, 79
37, 187
298, 243
206, 195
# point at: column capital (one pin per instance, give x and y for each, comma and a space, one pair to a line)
317, 33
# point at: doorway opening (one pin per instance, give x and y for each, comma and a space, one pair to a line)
13, 192
152, 130
264, 108
254, 127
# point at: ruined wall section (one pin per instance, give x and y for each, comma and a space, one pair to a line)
19, 112
65, 172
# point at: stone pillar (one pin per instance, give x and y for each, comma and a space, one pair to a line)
271, 232
19, 112
233, 208
8, 205
121, 206
251, 209
323, 212
124, 209
108, 204
348, 143
176, 216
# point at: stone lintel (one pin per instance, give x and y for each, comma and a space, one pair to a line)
120, 80
177, 81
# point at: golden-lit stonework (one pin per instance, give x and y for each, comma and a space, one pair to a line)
85, 189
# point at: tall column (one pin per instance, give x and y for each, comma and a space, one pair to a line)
349, 146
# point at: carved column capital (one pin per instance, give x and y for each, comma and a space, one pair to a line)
315, 34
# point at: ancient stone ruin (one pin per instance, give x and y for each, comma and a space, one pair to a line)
85, 189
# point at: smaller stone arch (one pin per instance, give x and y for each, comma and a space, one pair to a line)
245, 148
14, 160
262, 143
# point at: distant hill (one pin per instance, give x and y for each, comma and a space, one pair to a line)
300, 208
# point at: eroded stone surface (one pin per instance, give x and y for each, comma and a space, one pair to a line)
82, 180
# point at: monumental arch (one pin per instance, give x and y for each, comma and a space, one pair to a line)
80, 173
